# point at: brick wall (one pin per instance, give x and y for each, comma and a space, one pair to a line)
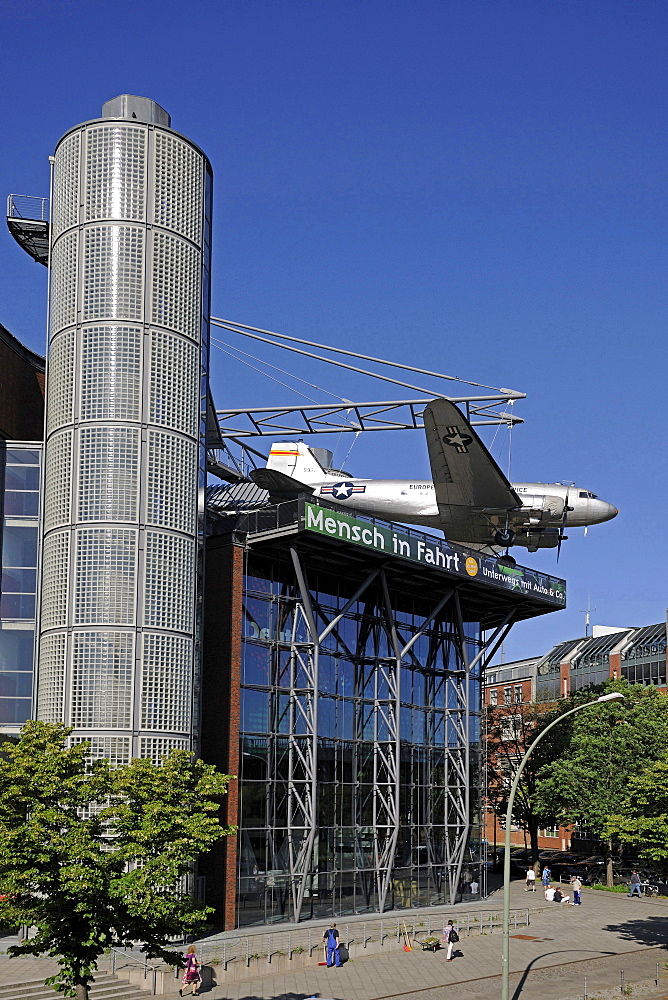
21, 390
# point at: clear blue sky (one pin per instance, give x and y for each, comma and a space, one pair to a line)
476, 186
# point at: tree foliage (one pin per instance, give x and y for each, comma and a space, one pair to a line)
643, 818
608, 745
511, 729
94, 856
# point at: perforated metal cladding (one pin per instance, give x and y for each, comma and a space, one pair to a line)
110, 369
176, 295
166, 683
102, 673
51, 678
123, 436
115, 172
108, 474
104, 591
116, 749
172, 478
64, 282
174, 383
58, 480
155, 748
178, 187
113, 266
55, 580
168, 593
61, 381
65, 208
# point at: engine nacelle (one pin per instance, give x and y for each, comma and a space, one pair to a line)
548, 538
542, 507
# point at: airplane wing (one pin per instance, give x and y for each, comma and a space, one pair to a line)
279, 486
467, 480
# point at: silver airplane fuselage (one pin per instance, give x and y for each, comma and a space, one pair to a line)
415, 501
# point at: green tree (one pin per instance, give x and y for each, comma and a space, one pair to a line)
643, 818
607, 746
510, 731
94, 856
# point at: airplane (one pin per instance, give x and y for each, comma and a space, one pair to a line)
469, 497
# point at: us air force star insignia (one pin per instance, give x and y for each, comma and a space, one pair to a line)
342, 490
455, 439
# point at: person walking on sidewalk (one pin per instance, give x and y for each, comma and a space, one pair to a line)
191, 976
547, 875
635, 885
577, 889
450, 937
531, 880
331, 939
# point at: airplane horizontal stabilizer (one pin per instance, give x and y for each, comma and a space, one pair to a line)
278, 485
468, 482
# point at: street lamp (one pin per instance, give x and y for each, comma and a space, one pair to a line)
615, 696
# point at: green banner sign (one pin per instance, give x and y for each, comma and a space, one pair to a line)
434, 553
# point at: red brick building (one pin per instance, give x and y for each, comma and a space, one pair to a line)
637, 654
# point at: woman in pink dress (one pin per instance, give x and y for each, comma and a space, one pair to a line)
191, 976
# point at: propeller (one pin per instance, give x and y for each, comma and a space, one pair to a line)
564, 516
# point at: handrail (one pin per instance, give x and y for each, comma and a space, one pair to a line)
22, 206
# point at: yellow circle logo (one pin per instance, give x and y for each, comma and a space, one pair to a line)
471, 566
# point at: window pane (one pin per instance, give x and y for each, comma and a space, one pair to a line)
14, 710
19, 546
19, 581
17, 606
21, 477
254, 711
15, 685
21, 504
16, 649
19, 456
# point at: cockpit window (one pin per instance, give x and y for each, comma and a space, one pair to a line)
584, 495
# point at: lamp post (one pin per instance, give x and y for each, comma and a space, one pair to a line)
615, 696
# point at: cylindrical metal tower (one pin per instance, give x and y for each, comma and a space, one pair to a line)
127, 383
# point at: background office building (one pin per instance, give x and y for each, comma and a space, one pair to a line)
340, 680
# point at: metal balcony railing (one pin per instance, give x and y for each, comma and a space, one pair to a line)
27, 206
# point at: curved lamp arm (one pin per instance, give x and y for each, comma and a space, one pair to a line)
505, 957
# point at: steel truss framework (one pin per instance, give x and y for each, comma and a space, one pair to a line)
349, 417
377, 749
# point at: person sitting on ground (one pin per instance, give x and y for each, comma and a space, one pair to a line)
559, 897
549, 893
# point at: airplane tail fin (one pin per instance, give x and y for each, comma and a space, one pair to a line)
298, 461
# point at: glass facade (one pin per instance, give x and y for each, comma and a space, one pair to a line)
20, 470
421, 820
592, 665
644, 660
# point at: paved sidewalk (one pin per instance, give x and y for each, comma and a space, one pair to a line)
549, 960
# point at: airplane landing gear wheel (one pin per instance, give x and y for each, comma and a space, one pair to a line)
504, 536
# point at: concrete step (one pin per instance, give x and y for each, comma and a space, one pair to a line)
104, 987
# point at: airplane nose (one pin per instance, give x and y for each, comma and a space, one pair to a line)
606, 511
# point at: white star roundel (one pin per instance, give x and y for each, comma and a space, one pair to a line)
341, 491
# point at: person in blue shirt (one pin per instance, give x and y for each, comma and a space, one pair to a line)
547, 875
331, 939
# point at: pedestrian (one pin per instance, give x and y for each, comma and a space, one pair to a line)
475, 887
547, 875
531, 880
577, 889
191, 976
635, 885
331, 939
450, 937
